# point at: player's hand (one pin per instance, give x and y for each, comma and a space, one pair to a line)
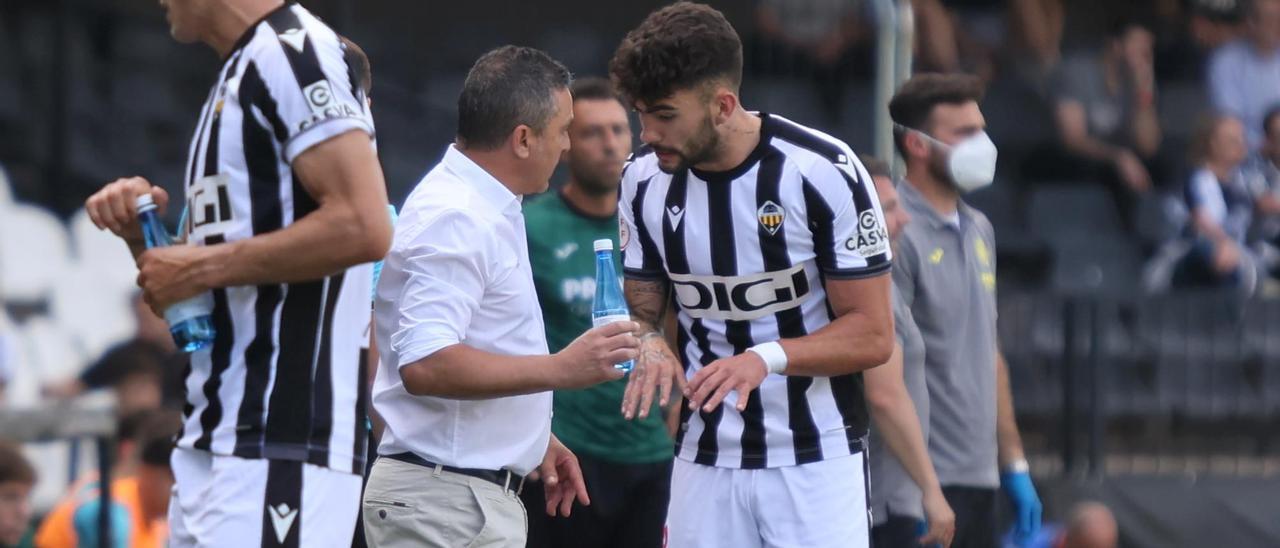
1026, 504
170, 274
114, 208
589, 360
742, 374
940, 519
562, 479
656, 370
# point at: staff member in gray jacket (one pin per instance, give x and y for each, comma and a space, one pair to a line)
464, 378
904, 488
946, 275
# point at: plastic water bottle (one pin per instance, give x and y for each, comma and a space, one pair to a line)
609, 306
190, 321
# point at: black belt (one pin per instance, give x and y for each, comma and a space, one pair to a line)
506, 479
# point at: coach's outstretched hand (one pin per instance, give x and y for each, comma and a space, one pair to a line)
1026, 504
656, 370
742, 374
561, 479
589, 360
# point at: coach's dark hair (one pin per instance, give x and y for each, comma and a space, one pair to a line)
506, 88
14, 466
677, 47
912, 106
594, 88
358, 65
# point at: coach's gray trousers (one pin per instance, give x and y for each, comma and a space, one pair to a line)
411, 506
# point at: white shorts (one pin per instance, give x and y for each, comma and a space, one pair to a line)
220, 501
816, 505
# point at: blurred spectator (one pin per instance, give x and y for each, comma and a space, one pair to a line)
813, 39
1212, 23
1036, 28
1106, 113
1221, 209
1244, 75
1091, 526
144, 372
141, 481
1262, 178
967, 35
17, 478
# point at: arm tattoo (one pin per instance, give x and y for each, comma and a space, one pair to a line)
648, 301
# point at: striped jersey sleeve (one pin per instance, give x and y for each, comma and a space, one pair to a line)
851, 239
640, 258
305, 91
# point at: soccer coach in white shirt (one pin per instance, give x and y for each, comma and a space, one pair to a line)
464, 379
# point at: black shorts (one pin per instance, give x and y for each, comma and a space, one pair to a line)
628, 508
975, 509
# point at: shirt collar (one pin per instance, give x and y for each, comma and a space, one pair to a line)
921, 208
497, 194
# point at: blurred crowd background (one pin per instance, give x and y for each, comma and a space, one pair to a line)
1136, 208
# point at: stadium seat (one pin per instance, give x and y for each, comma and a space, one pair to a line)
1030, 328
1096, 265
96, 312
101, 252
1160, 217
28, 232
1072, 209
46, 353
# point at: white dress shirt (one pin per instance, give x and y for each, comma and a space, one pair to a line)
458, 272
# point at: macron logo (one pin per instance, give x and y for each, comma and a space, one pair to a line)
675, 214
282, 520
296, 38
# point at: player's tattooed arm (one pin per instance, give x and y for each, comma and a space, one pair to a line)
657, 368
648, 302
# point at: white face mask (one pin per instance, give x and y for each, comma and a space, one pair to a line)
971, 162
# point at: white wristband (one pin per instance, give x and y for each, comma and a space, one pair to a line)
775, 358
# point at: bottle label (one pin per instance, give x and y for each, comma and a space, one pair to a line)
195, 307
606, 320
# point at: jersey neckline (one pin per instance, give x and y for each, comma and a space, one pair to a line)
766, 134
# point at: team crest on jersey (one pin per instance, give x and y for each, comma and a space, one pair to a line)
771, 216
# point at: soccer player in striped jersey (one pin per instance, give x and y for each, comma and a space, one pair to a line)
287, 206
771, 236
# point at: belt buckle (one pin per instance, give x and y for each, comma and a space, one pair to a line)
506, 483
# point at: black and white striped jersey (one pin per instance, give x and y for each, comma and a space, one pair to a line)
747, 252
283, 378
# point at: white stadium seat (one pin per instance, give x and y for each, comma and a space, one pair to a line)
92, 310
102, 253
34, 250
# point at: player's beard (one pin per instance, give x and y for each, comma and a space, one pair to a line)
702, 147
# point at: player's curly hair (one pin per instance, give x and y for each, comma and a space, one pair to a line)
681, 46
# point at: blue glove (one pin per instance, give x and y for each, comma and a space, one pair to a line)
1026, 504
